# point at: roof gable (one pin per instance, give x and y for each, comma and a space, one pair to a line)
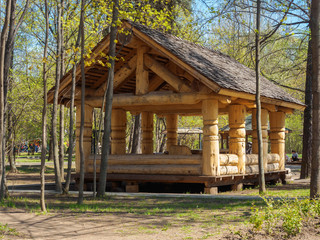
221, 69
184, 67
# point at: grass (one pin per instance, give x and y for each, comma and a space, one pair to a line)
32, 169
5, 230
188, 210
24, 157
287, 193
184, 215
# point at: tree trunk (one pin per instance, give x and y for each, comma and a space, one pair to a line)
315, 164
61, 142
50, 157
307, 123
83, 89
62, 71
262, 186
44, 113
108, 109
2, 63
55, 106
136, 138
71, 123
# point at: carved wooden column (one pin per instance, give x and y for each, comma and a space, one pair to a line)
87, 134
237, 133
277, 135
147, 132
210, 153
118, 131
172, 128
264, 129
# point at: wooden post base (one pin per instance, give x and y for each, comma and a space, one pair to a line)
237, 187
132, 187
211, 190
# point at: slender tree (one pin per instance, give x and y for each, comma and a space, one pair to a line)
55, 105
108, 105
83, 89
307, 120
71, 120
315, 164
44, 111
2, 63
62, 71
262, 187
61, 142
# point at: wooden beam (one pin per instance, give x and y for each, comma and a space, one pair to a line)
121, 75
154, 83
212, 85
247, 103
163, 108
155, 98
269, 107
103, 44
233, 93
178, 84
285, 110
142, 75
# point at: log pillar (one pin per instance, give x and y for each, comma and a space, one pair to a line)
172, 128
210, 152
118, 131
277, 135
237, 134
264, 129
147, 132
87, 134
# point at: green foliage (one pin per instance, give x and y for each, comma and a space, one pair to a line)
5, 230
284, 215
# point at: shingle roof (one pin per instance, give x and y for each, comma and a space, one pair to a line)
216, 66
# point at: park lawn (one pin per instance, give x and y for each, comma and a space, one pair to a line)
24, 157
206, 217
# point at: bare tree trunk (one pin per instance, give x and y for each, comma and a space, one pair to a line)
262, 186
55, 106
83, 89
108, 109
61, 142
307, 123
163, 136
50, 157
71, 135
315, 165
44, 112
62, 70
136, 134
2, 63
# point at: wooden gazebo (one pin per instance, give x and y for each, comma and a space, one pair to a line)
157, 73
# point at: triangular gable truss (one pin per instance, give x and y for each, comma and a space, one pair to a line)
145, 66
161, 71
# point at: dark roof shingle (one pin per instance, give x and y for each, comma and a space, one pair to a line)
216, 66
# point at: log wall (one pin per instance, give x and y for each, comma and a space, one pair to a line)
179, 164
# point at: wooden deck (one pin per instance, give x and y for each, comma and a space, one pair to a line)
209, 182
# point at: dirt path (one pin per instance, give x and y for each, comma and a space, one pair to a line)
99, 226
